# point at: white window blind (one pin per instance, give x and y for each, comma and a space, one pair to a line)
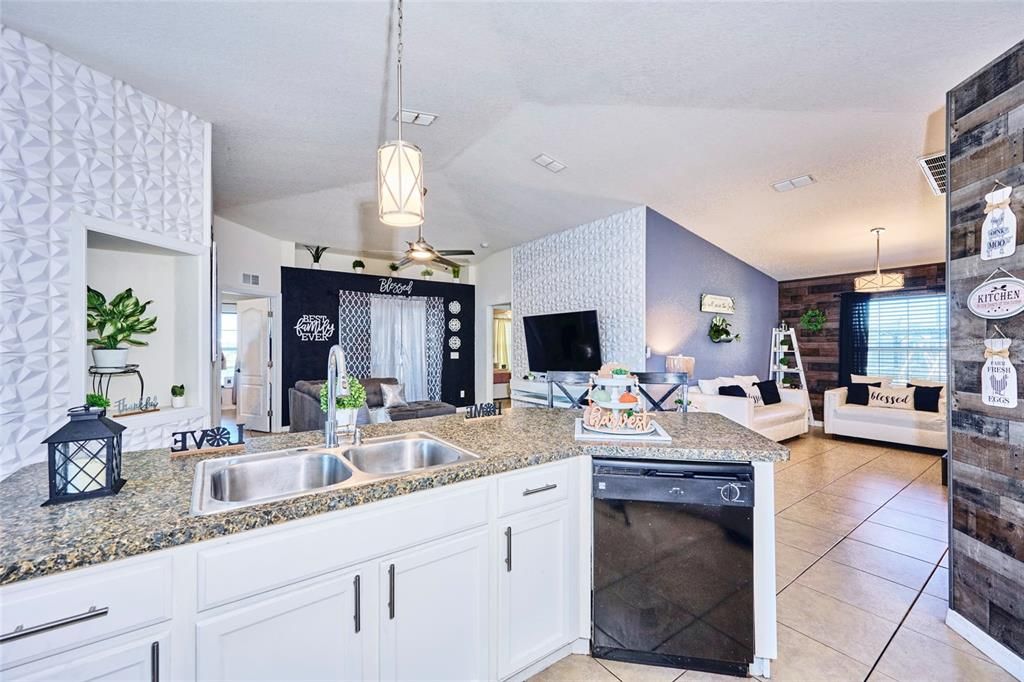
907, 336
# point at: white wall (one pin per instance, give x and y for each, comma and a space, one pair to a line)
598, 266
493, 286
241, 249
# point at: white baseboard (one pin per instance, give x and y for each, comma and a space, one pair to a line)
817, 422
579, 646
1000, 655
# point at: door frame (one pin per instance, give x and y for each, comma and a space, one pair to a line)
489, 350
277, 394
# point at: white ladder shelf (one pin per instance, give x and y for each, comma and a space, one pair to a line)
777, 371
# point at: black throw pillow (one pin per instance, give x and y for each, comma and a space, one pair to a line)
857, 394
926, 398
735, 391
769, 392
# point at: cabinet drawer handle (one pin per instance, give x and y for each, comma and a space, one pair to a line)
391, 592
22, 631
508, 549
356, 590
543, 488
154, 662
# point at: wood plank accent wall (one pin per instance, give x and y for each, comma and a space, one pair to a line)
986, 142
820, 352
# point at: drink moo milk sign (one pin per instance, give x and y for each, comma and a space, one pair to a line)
998, 298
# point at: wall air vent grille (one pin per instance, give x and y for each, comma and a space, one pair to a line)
251, 278
934, 168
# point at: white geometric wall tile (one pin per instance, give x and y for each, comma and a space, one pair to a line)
73, 139
598, 266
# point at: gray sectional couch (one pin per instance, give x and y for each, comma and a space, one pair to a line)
305, 414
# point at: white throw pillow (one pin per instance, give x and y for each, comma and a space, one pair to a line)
895, 398
710, 386
862, 379
745, 381
394, 395
754, 393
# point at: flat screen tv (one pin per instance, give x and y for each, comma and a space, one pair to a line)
566, 342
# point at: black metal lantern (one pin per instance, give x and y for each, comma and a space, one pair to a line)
85, 457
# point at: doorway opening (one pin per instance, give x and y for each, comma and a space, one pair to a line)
501, 353
246, 354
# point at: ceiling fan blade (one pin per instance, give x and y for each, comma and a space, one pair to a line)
447, 263
404, 263
456, 252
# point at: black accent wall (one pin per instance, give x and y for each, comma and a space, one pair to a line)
315, 292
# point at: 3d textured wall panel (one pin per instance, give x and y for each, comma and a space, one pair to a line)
598, 266
73, 140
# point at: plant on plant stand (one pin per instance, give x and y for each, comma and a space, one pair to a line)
117, 322
720, 332
97, 401
358, 266
178, 395
317, 252
347, 406
813, 321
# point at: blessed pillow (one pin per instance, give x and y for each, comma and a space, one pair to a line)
857, 393
394, 395
769, 392
896, 398
926, 398
754, 393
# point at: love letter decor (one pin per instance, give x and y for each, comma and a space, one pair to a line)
999, 231
483, 410
997, 297
998, 375
216, 439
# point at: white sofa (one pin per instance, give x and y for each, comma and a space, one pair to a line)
779, 422
908, 427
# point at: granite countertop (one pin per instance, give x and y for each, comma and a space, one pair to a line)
152, 510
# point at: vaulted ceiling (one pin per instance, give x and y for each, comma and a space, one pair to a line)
691, 108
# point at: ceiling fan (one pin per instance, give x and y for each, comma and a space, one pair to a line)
421, 251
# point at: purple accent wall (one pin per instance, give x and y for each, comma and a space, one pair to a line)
680, 267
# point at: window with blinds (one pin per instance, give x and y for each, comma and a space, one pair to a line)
906, 336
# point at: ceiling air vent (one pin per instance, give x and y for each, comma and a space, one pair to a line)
934, 168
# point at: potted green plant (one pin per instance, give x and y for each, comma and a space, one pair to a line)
97, 401
347, 406
317, 252
427, 273
456, 271
117, 322
178, 395
720, 332
813, 321
393, 267
358, 266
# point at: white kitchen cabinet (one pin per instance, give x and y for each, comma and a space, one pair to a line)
143, 659
535, 587
434, 611
308, 633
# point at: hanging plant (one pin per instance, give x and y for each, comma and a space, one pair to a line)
720, 332
813, 321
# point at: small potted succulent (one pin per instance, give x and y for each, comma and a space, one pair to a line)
117, 322
720, 331
317, 252
347, 406
358, 266
97, 402
178, 395
813, 321
456, 271
427, 273
393, 267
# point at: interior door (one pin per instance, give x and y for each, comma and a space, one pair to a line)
253, 373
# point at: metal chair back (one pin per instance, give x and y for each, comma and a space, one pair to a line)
563, 379
674, 379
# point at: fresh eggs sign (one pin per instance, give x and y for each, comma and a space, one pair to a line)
997, 299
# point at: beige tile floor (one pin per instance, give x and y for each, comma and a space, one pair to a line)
861, 572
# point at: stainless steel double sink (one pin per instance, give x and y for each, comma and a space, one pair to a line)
229, 483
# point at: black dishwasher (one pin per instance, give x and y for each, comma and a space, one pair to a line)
674, 564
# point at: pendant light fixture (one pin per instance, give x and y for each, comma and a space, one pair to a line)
878, 280
400, 168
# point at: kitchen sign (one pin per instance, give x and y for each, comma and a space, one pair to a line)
712, 303
997, 297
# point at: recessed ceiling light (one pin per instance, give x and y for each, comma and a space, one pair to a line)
418, 118
793, 183
484, 245
545, 161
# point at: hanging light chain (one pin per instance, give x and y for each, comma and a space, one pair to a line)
401, 17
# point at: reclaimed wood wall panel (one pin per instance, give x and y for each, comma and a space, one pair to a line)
986, 143
820, 352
